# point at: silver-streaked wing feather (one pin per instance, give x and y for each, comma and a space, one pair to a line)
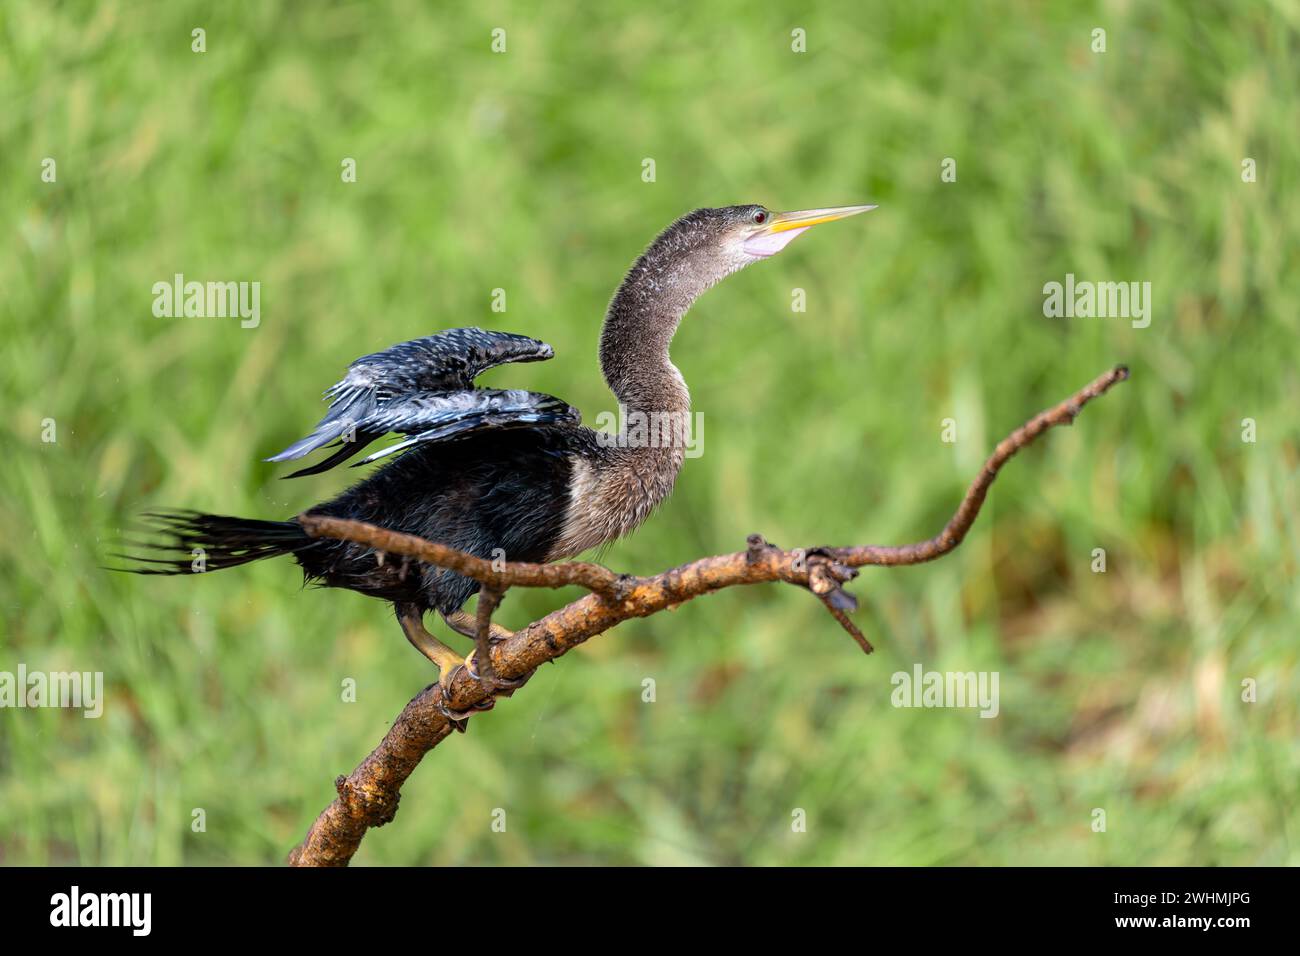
426, 418
427, 386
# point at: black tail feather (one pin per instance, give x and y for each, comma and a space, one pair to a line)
190, 542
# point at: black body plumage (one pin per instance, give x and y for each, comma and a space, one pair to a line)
487, 472
501, 494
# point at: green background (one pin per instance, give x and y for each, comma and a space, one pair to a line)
1119, 690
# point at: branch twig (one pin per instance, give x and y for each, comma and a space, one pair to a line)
369, 795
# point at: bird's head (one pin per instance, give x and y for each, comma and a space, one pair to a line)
717, 242
694, 253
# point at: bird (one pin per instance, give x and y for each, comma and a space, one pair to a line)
497, 473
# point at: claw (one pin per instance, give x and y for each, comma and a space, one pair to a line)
492, 683
447, 676
458, 718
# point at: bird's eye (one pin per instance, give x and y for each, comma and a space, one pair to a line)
760, 217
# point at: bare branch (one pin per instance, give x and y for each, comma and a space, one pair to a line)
369, 795
593, 577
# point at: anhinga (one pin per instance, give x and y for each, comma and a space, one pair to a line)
496, 472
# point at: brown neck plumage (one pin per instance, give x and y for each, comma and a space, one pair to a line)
615, 489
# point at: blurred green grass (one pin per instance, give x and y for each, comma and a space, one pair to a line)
522, 171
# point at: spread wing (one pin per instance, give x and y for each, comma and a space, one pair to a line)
424, 389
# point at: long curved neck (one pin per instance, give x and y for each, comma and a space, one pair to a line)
618, 484
639, 326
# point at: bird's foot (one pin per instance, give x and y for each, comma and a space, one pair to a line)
458, 718
448, 662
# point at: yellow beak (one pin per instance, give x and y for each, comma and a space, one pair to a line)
784, 227
803, 218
